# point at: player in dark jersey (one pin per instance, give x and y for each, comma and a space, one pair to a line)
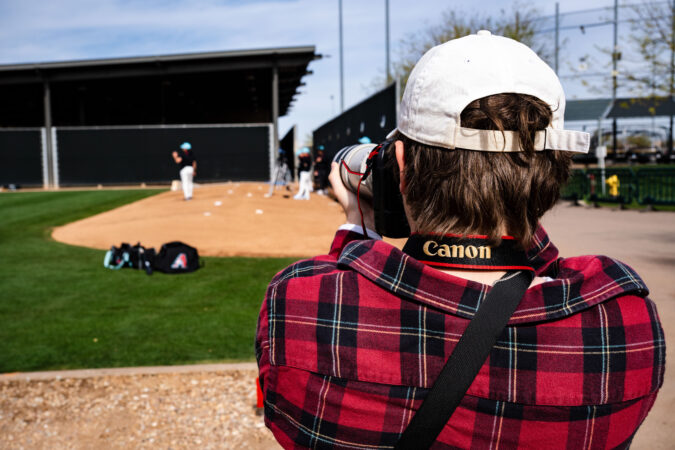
188, 167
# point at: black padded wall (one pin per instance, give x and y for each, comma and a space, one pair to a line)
21, 156
135, 155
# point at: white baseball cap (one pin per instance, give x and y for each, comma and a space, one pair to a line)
451, 75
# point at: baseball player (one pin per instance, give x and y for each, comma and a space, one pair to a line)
304, 167
188, 167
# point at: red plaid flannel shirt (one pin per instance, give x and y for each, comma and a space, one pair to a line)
349, 344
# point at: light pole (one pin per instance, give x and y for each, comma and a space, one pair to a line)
386, 39
342, 82
557, 35
672, 74
615, 73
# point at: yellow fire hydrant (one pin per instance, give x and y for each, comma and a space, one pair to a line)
613, 183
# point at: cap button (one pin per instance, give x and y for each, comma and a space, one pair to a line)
484, 33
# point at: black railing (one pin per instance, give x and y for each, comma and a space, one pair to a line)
623, 185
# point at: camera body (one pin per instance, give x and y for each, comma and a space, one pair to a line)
369, 166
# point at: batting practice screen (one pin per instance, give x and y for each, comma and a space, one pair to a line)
287, 143
143, 155
21, 153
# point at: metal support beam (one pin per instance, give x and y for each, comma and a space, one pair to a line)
615, 73
275, 109
55, 160
601, 154
672, 74
45, 159
557, 36
398, 99
49, 145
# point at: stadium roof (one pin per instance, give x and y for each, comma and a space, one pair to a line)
587, 109
214, 87
624, 107
642, 107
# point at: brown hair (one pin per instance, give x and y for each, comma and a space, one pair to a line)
486, 193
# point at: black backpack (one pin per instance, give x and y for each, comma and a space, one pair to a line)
176, 257
126, 255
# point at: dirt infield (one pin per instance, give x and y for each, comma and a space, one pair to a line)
221, 220
237, 219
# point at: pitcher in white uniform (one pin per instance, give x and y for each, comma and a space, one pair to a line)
188, 167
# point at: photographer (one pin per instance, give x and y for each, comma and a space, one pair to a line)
350, 344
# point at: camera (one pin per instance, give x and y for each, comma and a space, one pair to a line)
366, 170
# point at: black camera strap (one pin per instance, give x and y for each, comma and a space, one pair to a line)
449, 251
465, 361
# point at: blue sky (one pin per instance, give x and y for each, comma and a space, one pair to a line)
56, 30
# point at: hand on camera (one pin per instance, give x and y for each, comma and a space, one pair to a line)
349, 202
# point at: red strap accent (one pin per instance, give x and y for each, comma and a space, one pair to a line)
259, 394
468, 236
350, 170
358, 188
473, 266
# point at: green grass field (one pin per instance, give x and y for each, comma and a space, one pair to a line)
61, 309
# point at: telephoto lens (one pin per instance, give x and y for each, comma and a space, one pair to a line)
380, 187
355, 158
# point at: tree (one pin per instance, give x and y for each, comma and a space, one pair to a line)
645, 73
651, 39
520, 23
645, 53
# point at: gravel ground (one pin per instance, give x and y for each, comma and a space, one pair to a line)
163, 410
